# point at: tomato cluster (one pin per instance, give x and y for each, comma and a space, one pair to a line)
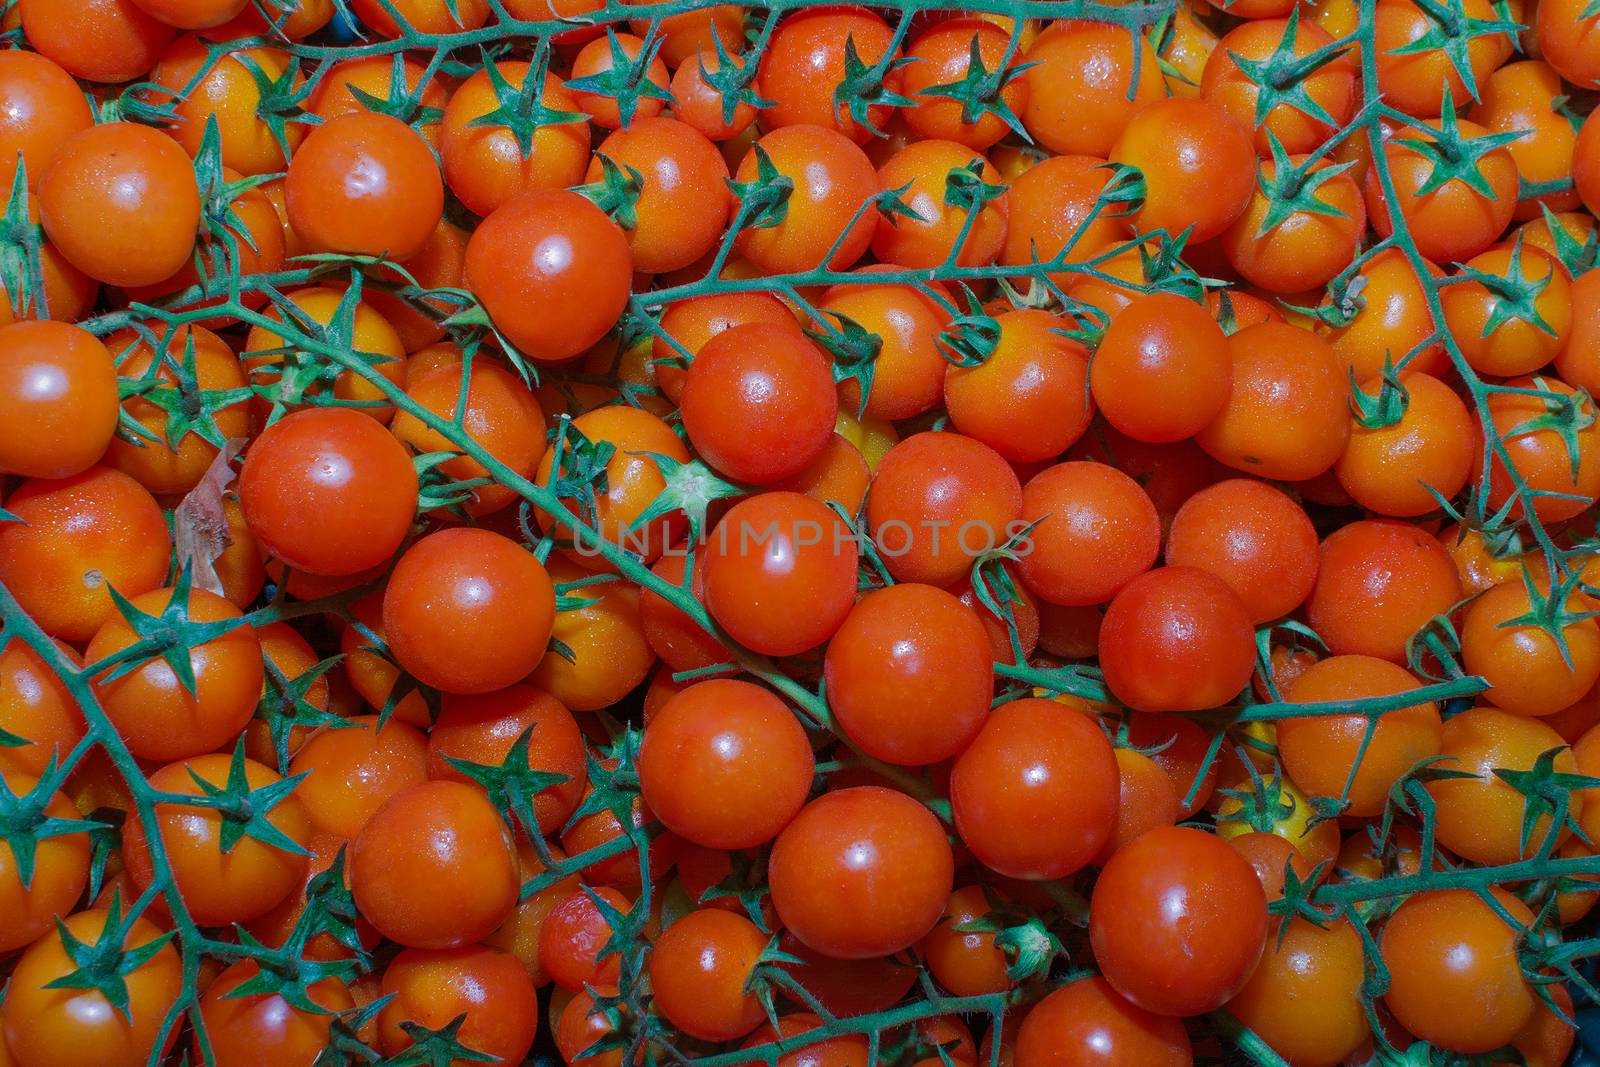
1030, 535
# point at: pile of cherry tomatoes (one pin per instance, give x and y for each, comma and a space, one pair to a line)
661, 532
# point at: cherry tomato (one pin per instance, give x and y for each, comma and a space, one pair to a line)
43, 107
219, 886
1253, 537
805, 61
861, 872
1377, 584
1321, 751
161, 716
341, 466
1481, 818
1096, 531
98, 40
78, 538
1176, 639
248, 1029
929, 236
80, 1027
1177, 921
60, 390
549, 248
725, 764
1287, 416
699, 972
758, 403
777, 549
1086, 1020
908, 675
1167, 141
488, 990
832, 180
365, 184
1446, 944
1035, 794
460, 881
1304, 998
683, 198
1085, 83
1533, 668
1163, 370
484, 165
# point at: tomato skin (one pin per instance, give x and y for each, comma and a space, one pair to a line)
943, 54
36, 706
484, 165
1530, 673
1445, 948
1332, 86
1320, 751
1307, 249
423, 16
1088, 1022
1287, 417
1166, 141
335, 92
1035, 794
351, 771
391, 212
1047, 205
784, 549
1480, 818
456, 838
1578, 363
929, 239
1303, 999
1567, 41
1416, 82
1081, 89
1163, 370
1099, 531
725, 765
1177, 639
1541, 456
1520, 96
1377, 584
683, 205
104, 41
574, 935
226, 90
937, 502
1454, 222
482, 729
500, 415
965, 963
851, 901
1253, 537
432, 987
154, 712
698, 971
1435, 444
759, 403
40, 107
57, 879
218, 888
120, 202
264, 1027
56, 379
832, 179
341, 466
79, 1027
78, 536
909, 676
159, 467
526, 257
805, 61
1028, 401
1177, 921
447, 611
